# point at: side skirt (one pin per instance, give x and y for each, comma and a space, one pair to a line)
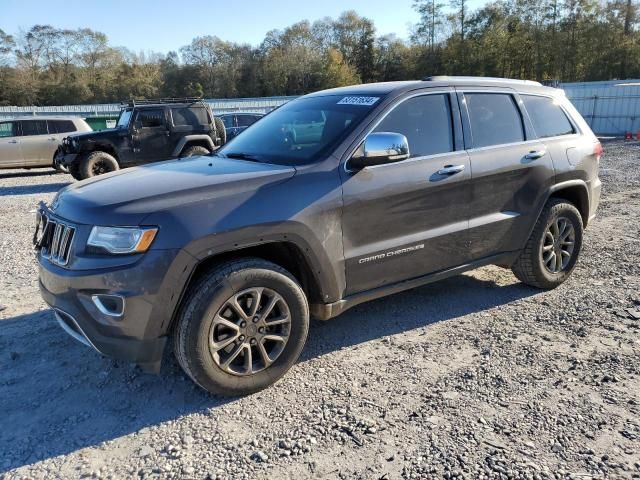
327, 311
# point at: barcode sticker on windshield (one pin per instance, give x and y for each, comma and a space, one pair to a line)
365, 101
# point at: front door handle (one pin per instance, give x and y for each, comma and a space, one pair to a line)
13, 141
535, 154
450, 169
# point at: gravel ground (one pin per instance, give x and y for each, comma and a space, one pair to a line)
474, 377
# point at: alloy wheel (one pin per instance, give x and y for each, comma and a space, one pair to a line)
250, 331
558, 245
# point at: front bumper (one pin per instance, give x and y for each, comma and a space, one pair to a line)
135, 334
64, 159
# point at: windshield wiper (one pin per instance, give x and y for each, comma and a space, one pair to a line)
242, 156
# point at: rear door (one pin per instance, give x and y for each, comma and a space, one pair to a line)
511, 171
151, 141
36, 143
404, 220
10, 152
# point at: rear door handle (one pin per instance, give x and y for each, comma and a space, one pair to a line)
535, 154
13, 141
450, 169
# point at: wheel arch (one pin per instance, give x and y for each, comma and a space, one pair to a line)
192, 141
101, 147
576, 193
285, 254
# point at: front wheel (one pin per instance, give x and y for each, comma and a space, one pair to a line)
552, 250
241, 327
97, 163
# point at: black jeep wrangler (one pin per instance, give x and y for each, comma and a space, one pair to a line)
146, 131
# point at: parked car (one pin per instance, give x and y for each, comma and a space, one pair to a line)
147, 131
32, 142
234, 123
409, 183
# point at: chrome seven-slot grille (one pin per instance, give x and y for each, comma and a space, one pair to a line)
56, 240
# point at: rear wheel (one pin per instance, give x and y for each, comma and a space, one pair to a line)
97, 163
552, 250
242, 327
194, 151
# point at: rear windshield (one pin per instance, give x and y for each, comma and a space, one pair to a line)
302, 131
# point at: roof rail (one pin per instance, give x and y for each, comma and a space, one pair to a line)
156, 101
444, 78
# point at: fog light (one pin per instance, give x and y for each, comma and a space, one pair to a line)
111, 305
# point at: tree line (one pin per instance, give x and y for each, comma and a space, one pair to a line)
564, 40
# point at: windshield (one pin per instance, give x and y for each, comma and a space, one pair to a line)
123, 120
302, 130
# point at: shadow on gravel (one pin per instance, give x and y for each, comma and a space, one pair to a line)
56, 396
32, 189
27, 173
436, 302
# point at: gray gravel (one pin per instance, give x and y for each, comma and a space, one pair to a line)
474, 377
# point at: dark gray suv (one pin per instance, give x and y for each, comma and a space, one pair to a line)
336, 198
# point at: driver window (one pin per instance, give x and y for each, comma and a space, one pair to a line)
150, 118
425, 121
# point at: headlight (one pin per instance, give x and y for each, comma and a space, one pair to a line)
120, 240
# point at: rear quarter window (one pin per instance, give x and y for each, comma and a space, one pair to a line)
190, 116
495, 119
547, 117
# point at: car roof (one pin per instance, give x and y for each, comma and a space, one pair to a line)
384, 88
41, 117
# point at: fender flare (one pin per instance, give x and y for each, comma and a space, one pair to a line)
192, 138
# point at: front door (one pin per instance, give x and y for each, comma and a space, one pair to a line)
407, 219
512, 171
10, 153
151, 135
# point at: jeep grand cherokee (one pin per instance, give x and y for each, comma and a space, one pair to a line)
389, 187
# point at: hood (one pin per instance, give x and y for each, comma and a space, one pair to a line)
127, 196
109, 132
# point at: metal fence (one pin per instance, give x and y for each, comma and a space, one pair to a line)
610, 108
259, 105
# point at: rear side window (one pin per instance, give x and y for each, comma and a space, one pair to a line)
190, 116
150, 118
246, 120
8, 129
425, 121
549, 120
495, 119
61, 126
34, 127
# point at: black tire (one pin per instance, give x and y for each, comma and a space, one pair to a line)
530, 267
221, 131
207, 301
194, 151
97, 163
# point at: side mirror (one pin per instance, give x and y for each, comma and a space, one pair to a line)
380, 148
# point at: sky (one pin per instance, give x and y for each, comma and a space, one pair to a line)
165, 25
